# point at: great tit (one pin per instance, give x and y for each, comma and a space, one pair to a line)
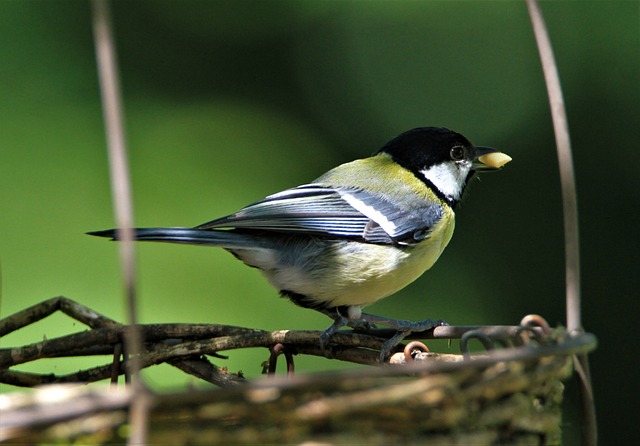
358, 233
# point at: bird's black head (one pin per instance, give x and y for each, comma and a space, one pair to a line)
427, 146
442, 158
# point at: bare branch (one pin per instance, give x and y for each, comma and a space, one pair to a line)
201, 368
43, 309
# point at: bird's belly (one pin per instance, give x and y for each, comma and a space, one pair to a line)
359, 273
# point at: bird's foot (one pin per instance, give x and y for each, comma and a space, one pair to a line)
325, 337
339, 321
403, 329
362, 322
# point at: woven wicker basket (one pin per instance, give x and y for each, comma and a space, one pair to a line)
490, 399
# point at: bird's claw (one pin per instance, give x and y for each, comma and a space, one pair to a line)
325, 337
338, 323
405, 328
361, 325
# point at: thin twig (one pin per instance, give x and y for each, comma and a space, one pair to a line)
122, 201
41, 310
179, 344
570, 211
170, 341
201, 368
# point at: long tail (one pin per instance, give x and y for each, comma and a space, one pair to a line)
190, 236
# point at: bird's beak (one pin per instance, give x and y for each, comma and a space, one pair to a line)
488, 159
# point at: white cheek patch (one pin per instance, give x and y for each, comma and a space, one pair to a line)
375, 215
448, 177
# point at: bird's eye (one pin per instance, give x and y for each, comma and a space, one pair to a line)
457, 153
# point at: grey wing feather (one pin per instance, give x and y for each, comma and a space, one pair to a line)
410, 223
329, 211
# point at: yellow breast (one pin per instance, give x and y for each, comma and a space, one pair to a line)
373, 272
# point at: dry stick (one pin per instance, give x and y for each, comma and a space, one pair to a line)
44, 309
570, 208
121, 191
160, 338
181, 344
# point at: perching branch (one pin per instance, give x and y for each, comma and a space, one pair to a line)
185, 345
180, 345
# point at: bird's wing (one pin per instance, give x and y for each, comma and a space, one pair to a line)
339, 212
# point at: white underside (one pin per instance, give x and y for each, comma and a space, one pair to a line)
350, 273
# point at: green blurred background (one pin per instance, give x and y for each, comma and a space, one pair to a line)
229, 101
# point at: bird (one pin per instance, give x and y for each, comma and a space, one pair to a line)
357, 234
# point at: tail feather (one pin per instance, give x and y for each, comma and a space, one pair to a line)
190, 236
